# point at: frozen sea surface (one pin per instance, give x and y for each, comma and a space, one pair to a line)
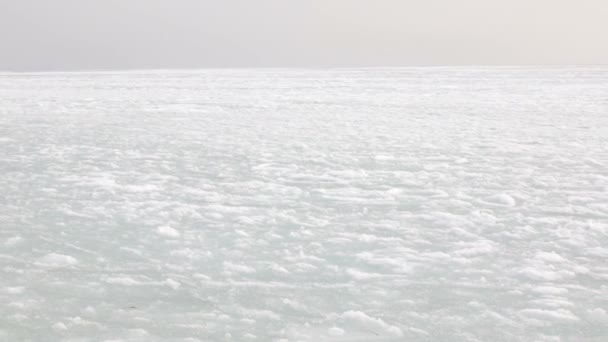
433, 204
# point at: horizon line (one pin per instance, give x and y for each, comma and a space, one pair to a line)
328, 68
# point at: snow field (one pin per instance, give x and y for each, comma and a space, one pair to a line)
431, 204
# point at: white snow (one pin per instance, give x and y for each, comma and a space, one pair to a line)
502, 199
598, 315
174, 285
376, 325
557, 315
13, 290
57, 260
413, 204
125, 281
169, 232
335, 331
60, 326
237, 268
12, 241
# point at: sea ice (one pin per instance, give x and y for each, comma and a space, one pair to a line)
395, 204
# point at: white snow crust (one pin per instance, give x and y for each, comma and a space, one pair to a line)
413, 204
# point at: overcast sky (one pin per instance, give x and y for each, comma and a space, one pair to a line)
122, 34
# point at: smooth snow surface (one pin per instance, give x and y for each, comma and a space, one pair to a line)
433, 204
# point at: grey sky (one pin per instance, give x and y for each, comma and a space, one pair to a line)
119, 34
